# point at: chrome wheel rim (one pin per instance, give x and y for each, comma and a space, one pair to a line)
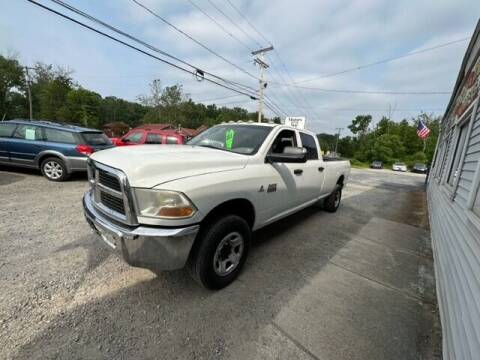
228, 254
53, 170
338, 196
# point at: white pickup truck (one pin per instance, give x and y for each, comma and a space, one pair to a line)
196, 205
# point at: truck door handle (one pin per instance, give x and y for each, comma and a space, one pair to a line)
321, 168
298, 171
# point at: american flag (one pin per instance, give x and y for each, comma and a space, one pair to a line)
422, 130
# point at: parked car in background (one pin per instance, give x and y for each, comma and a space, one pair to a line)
420, 168
399, 166
376, 165
150, 136
57, 149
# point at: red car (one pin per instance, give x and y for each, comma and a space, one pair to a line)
149, 136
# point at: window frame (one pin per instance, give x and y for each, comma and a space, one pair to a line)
300, 133
466, 120
15, 125
45, 138
154, 134
133, 133
296, 139
169, 138
40, 129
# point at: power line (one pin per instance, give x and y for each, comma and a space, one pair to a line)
349, 91
193, 39
149, 46
376, 110
219, 25
290, 94
220, 98
223, 28
138, 49
249, 23
385, 60
233, 22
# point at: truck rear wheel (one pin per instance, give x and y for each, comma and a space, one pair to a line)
332, 202
220, 252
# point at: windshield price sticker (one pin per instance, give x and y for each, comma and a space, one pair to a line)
229, 135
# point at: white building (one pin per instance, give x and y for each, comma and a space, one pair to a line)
454, 208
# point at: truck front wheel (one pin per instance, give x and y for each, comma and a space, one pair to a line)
220, 252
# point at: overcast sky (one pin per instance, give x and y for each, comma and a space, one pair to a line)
313, 38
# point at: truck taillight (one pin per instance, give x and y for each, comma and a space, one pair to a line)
84, 149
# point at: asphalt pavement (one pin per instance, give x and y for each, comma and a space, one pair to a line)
356, 284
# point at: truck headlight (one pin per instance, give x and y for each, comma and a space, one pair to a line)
163, 204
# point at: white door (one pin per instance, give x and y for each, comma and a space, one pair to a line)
314, 173
283, 187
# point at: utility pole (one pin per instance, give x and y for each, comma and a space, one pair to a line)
263, 65
338, 136
29, 91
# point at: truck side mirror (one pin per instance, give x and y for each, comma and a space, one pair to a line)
291, 154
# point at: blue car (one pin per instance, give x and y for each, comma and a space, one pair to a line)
57, 149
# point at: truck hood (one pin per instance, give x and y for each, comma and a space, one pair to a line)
150, 165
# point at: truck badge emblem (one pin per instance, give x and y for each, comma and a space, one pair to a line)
272, 188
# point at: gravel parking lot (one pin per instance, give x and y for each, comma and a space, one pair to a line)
357, 284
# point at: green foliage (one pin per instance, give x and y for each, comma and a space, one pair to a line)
12, 87
82, 107
360, 124
358, 164
55, 96
389, 141
327, 141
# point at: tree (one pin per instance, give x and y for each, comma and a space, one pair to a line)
12, 88
327, 141
360, 124
49, 90
154, 98
82, 107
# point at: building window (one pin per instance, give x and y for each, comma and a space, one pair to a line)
446, 150
455, 169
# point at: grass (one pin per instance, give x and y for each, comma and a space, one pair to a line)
358, 164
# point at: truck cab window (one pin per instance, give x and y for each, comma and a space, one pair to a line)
284, 138
153, 138
134, 137
308, 142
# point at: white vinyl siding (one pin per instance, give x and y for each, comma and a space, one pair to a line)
472, 156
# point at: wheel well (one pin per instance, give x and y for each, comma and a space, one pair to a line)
45, 156
241, 207
341, 180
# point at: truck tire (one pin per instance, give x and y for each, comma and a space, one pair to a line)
220, 252
332, 202
54, 169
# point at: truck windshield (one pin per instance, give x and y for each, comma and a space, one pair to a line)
241, 139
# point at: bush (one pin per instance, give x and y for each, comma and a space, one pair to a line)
358, 164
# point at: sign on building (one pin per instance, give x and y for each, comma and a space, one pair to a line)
298, 122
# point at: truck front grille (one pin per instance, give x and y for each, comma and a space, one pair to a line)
109, 180
112, 202
111, 193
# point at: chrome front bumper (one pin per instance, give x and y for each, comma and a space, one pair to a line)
149, 247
